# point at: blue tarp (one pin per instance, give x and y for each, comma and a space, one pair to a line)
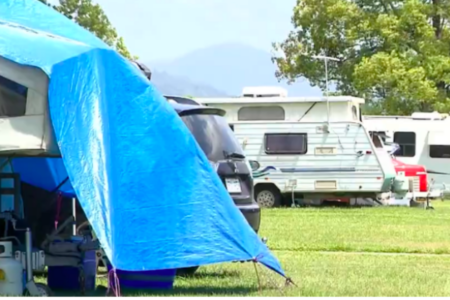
47, 173
148, 190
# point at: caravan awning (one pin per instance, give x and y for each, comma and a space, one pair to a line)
439, 138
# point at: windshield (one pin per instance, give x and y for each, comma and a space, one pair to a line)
214, 136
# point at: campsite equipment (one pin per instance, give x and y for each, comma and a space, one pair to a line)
71, 262
226, 157
113, 160
416, 179
68, 277
26, 273
423, 139
143, 280
11, 272
32, 288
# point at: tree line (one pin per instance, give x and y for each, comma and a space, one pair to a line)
92, 17
394, 53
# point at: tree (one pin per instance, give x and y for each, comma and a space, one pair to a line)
395, 53
92, 17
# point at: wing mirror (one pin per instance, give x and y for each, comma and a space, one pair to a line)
254, 165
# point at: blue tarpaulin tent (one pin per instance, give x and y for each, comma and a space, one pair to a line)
146, 187
47, 173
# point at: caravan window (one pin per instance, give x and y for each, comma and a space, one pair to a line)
260, 113
286, 143
13, 98
407, 143
439, 151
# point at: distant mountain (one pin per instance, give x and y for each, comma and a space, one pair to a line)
179, 86
230, 67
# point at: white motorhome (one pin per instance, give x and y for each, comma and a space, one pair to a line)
424, 139
312, 149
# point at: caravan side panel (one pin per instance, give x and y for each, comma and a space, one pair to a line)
342, 160
25, 126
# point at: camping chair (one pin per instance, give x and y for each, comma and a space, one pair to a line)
60, 252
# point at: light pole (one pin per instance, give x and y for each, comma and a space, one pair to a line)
326, 59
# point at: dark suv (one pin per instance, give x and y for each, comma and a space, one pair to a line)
225, 154
217, 140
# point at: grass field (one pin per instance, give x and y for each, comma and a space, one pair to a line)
383, 251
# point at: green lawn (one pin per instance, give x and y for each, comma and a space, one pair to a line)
383, 229
384, 251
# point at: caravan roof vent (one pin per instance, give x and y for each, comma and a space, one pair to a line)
263, 92
428, 116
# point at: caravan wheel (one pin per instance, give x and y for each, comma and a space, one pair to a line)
267, 196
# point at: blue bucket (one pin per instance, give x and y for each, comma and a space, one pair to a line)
67, 278
144, 280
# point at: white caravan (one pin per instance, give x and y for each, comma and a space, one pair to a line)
310, 150
424, 139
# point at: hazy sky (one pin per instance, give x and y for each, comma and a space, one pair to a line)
165, 29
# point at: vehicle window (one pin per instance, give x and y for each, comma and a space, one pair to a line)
407, 143
355, 113
259, 113
376, 141
382, 133
214, 135
286, 143
439, 151
13, 98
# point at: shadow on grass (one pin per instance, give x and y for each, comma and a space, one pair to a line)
177, 291
209, 290
216, 274
194, 291
338, 205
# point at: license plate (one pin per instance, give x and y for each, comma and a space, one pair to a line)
233, 185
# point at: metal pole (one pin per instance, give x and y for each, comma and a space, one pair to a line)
74, 214
326, 85
28, 252
326, 59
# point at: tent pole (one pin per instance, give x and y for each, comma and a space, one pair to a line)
74, 214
